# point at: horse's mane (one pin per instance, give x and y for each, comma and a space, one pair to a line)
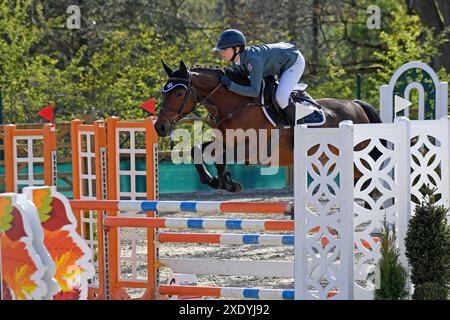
235, 76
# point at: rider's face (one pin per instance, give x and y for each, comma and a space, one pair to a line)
226, 54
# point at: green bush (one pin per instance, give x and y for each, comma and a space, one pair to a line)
428, 246
430, 291
393, 275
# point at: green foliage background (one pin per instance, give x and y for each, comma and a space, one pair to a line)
112, 64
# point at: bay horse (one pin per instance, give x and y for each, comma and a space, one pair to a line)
186, 89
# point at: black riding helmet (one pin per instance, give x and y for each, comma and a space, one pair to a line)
230, 38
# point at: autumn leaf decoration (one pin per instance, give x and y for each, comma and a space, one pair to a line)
60, 243
17, 266
42, 201
51, 210
65, 253
5, 213
10, 220
70, 295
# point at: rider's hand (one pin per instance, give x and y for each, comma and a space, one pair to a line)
225, 81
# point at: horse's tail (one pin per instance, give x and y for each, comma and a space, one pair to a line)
370, 111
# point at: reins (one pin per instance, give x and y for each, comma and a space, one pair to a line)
204, 102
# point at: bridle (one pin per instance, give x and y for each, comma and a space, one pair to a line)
190, 89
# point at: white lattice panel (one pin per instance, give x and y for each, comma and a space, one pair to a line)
381, 155
323, 213
393, 162
131, 146
30, 160
87, 192
430, 159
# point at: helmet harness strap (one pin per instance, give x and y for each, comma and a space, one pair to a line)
234, 54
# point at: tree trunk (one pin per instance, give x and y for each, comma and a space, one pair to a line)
315, 36
231, 16
435, 15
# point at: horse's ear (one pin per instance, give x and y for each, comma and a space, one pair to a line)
168, 70
182, 66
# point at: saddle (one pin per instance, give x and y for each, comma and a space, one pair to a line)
276, 115
270, 107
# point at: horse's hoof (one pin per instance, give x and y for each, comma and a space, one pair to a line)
228, 184
232, 187
236, 187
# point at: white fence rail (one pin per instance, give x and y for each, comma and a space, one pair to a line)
392, 162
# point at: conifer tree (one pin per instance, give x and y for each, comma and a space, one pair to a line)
428, 249
393, 275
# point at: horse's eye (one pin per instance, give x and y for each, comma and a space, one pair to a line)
179, 93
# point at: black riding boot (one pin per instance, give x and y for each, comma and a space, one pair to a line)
289, 112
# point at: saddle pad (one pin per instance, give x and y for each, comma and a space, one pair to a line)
316, 118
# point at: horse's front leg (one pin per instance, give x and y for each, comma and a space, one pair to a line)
225, 180
205, 176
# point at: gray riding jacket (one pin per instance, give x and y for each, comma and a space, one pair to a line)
259, 61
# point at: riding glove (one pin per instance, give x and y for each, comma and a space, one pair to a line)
225, 81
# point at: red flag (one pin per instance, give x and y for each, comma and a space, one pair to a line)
47, 113
149, 106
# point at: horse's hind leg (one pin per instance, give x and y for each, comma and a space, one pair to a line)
205, 176
225, 180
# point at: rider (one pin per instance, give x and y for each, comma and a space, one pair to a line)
257, 61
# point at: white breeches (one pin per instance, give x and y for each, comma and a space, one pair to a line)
289, 80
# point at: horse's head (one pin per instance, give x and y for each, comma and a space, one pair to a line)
179, 99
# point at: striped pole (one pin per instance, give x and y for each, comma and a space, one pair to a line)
201, 224
217, 224
226, 238
183, 206
230, 292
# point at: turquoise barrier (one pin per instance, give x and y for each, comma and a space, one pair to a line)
62, 184
173, 178
183, 178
